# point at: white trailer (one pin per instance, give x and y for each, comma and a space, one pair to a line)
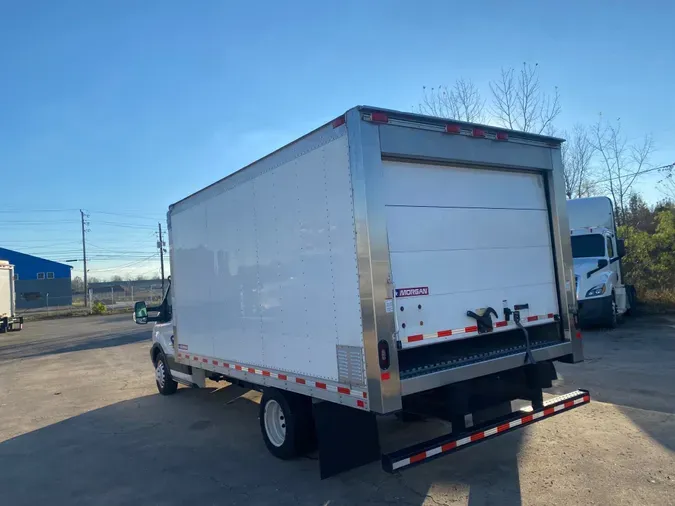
8, 317
602, 295
384, 263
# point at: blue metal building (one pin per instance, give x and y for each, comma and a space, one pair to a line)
39, 282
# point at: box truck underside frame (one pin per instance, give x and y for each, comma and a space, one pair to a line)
430, 332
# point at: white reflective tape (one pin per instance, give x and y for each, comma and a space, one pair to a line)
463, 441
537, 415
400, 463
435, 451
490, 432
515, 423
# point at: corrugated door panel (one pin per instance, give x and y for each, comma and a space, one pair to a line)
481, 239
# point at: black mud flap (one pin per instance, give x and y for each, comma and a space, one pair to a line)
347, 438
434, 448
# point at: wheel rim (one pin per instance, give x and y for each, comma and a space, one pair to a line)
275, 423
159, 373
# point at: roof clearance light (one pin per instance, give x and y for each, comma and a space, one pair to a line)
379, 117
478, 132
502, 136
338, 121
453, 129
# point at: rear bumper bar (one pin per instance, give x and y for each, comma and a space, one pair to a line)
429, 450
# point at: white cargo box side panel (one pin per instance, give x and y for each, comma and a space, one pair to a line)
266, 271
474, 237
5, 291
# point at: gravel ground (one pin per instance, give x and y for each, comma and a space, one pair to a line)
81, 423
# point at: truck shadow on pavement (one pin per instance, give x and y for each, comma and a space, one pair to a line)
204, 446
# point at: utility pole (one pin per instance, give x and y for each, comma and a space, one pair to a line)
84, 260
160, 245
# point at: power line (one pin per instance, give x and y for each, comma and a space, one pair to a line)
638, 173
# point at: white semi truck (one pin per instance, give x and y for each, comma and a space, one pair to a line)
384, 263
602, 295
8, 318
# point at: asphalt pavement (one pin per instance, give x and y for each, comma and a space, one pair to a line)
81, 423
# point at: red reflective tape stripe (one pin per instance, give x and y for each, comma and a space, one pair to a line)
416, 337
361, 404
471, 329
282, 376
237, 367
445, 333
526, 419
251, 370
578, 334
214, 362
300, 380
449, 446
477, 436
365, 395
532, 318
549, 411
320, 385
266, 373
385, 376
569, 404
205, 360
343, 390
587, 398
501, 324
418, 457
550, 315
503, 427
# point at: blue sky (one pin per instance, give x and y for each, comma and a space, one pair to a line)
128, 106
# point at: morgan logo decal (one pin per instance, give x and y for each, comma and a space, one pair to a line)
412, 292
182, 346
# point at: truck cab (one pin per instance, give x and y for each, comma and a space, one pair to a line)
602, 296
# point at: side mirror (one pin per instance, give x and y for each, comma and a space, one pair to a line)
620, 248
602, 263
140, 313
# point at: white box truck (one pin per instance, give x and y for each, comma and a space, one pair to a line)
8, 318
384, 263
602, 296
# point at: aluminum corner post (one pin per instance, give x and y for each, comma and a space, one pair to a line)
563, 248
372, 244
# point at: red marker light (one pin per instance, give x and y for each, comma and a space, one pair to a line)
453, 129
502, 136
478, 132
338, 122
379, 117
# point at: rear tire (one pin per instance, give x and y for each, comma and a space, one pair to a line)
631, 295
165, 383
612, 319
286, 423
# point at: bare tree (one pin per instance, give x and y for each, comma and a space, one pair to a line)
577, 154
462, 102
667, 185
622, 163
518, 102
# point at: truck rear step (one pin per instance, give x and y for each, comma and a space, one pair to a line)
434, 448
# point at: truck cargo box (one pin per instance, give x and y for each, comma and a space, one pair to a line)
382, 255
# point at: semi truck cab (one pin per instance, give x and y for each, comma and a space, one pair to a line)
602, 296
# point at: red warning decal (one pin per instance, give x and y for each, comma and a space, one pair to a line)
412, 292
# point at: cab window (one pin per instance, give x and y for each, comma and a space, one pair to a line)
610, 248
585, 246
